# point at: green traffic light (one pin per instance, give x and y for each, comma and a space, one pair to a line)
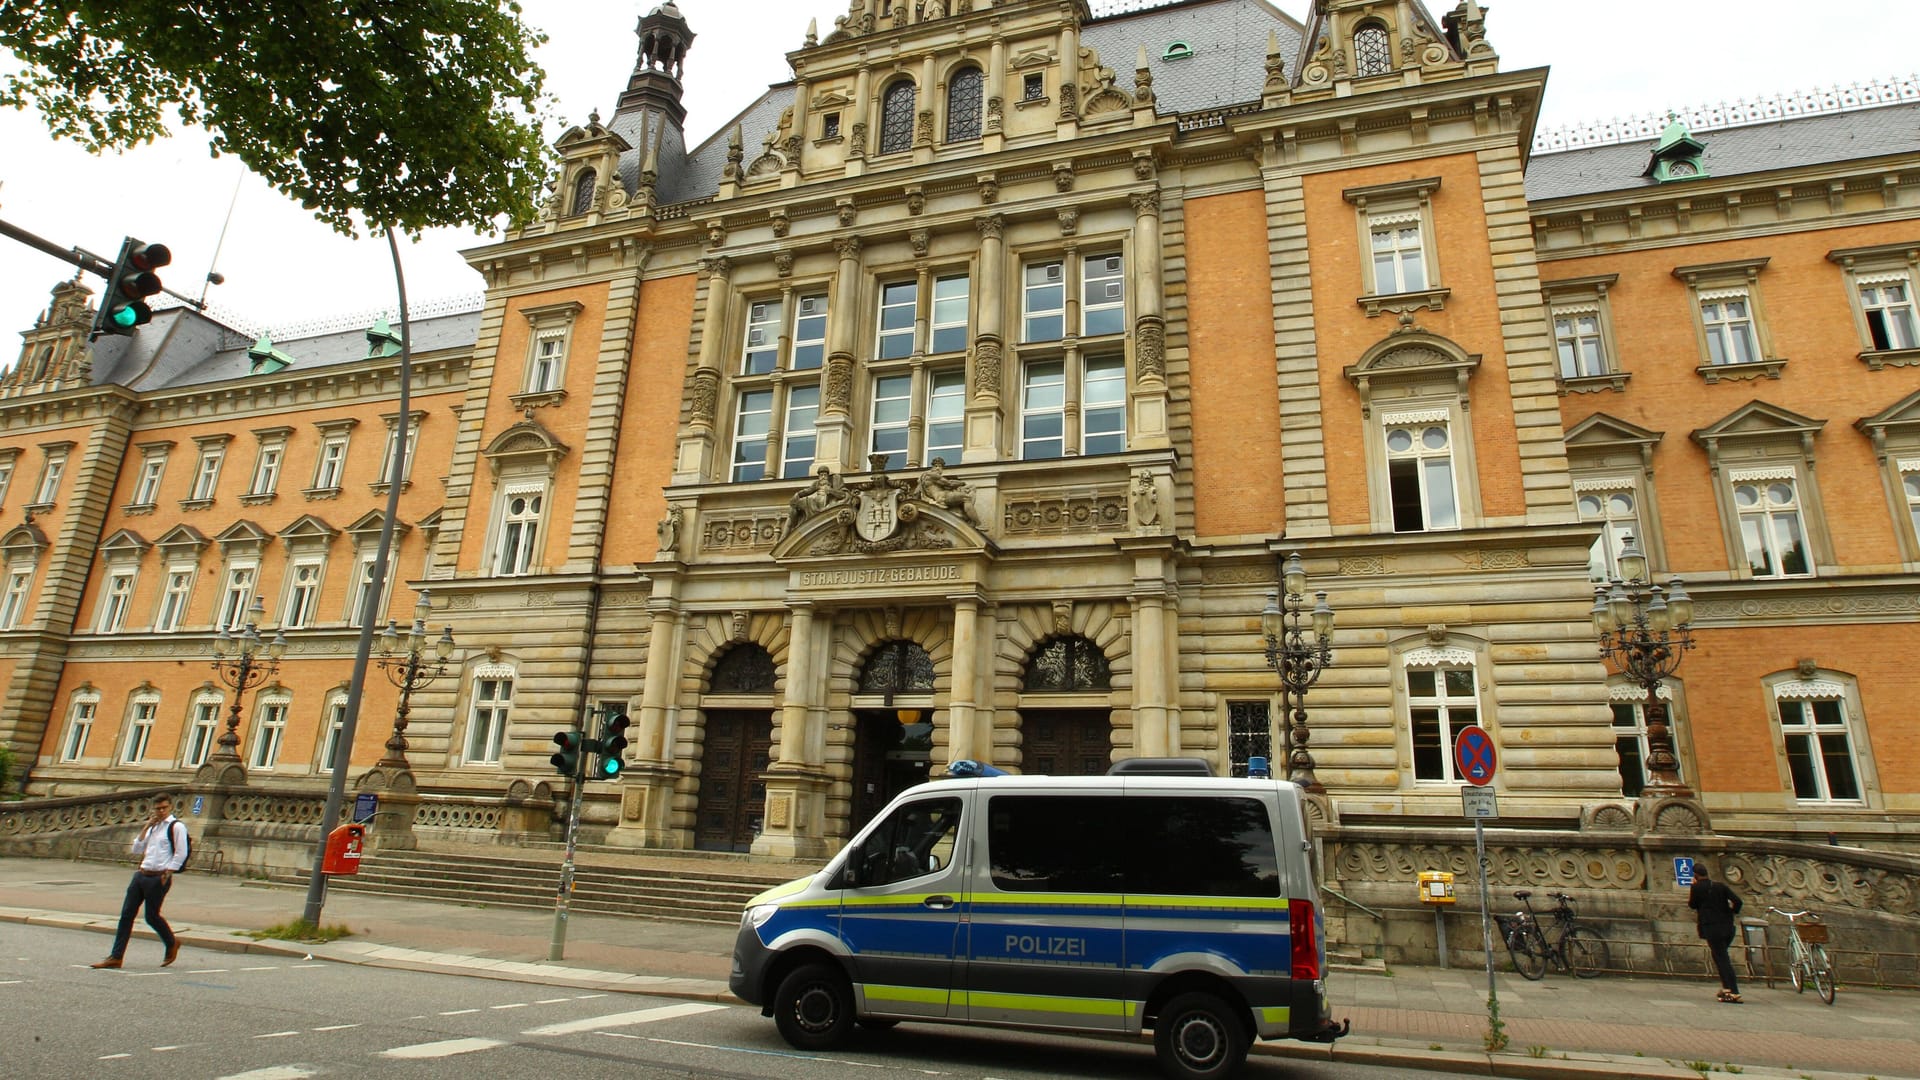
609, 768
125, 316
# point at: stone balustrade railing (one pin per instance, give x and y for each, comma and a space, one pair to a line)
48, 817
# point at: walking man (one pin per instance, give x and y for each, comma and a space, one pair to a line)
1715, 905
161, 849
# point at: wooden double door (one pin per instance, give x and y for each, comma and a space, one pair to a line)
1066, 742
733, 797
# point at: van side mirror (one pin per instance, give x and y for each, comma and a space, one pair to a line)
850, 870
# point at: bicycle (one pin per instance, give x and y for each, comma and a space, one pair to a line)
1807, 953
1580, 948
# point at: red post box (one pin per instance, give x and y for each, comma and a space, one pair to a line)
344, 847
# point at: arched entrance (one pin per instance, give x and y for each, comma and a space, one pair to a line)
893, 727
736, 750
1066, 720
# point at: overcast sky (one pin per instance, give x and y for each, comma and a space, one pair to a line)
1609, 59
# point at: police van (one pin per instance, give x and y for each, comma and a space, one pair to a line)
1120, 903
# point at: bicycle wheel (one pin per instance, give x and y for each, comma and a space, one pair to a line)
1585, 950
1529, 954
1797, 965
1822, 973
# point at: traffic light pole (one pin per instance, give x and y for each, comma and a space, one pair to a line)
557, 946
85, 260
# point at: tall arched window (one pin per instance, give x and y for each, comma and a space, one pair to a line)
583, 191
964, 94
1372, 53
896, 117
745, 669
1067, 664
897, 667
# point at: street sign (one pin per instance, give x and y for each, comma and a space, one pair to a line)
365, 805
1683, 872
1474, 756
1477, 803
199, 804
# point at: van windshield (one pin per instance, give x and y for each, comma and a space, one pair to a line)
1169, 845
917, 838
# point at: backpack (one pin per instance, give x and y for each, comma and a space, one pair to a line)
185, 843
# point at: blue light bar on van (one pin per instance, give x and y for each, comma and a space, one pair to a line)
968, 769
1257, 768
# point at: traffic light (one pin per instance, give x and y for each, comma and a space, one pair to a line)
567, 761
124, 305
612, 743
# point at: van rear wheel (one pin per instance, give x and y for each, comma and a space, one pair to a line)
813, 1008
1200, 1037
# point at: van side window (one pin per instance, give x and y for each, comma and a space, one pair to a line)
1174, 845
917, 838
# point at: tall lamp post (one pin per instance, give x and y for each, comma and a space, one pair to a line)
237, 659
1298, 659
409, 665
1644, 631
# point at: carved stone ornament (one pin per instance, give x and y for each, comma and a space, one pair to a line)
986, 366
839, 393
781, 222
1069, 220
920, 239
706, 393
716, 266
1063, 177
996, 115
739, 630
669, 530
989, 188
783, 263
935, 488
1069, 102
848, 247
1146, 500
1063, 616
857, 142
716, 233
1150, 347
923, 128
844, 211
827, 492
916, 201
990, 227
1143, 167
1145, 203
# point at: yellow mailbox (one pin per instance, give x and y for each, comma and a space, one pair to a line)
1436, 887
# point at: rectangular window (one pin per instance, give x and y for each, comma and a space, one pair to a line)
810, 333
119, 597
173, 600
763, 337
898, 306
1910, 485
1249, 735
1043, 302
50, 475
139, 731
13, 602
336, 723
1103, 406
1103, 296
1819, 750
798, 437
948, 332
206, 478
1576, 334
200, 731
269, 730
266, 470
332, 463
6, 479
146, 490
1166, 845
751, 426
492, 698
1888, 307
234, 600
1439, 703
1630, 741
549, 351
406, 461
1399, 261
1043, 403
1616, 511
892, 398
1728, 322
947, 417
1420, 477
520, 522
303, 595
78, 730
1771, 527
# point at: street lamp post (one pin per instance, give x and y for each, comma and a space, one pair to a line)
409, 670
1298, 659
1644, 631
237, 659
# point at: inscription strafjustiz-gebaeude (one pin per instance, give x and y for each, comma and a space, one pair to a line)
883, 575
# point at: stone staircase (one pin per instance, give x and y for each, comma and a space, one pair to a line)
609, 881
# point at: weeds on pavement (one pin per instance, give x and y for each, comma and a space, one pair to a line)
302, 930
1495, 1039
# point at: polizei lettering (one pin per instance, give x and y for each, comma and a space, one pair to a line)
1040, 945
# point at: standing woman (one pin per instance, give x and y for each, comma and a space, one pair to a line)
1715, 905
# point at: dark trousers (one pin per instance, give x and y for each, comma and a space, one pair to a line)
1723, 963
143, 891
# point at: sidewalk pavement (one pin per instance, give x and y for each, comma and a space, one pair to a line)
1429, 1018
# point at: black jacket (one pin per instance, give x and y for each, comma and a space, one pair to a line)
1715, 905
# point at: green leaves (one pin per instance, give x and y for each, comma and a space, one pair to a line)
369, 113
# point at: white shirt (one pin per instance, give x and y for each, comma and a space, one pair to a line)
155, 846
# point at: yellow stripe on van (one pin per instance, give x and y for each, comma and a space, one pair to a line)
894, 900
1036, 899
1215, 903
1042, 1003
918, 994
797, 885
1276, 1014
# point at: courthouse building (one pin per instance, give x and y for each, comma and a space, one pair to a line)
963, 397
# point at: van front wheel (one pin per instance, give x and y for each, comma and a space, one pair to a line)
813, 1008
1200, 1037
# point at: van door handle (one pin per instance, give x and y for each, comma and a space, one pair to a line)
938, 903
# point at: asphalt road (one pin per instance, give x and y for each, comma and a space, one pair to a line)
229, 1016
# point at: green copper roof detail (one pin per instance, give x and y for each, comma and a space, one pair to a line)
1678, 155
382, 342
267, 360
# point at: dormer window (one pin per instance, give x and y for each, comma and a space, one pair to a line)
1372, 52
1678, 155
583, 191
1178, 50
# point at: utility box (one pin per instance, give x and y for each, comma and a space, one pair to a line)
1436, 887
344, 848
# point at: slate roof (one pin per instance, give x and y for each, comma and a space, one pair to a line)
1757, 148
182, 348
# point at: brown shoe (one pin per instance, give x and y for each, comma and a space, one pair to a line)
173, 953
109, 962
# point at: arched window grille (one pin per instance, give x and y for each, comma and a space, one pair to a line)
583, 191
964, 95
896, 117
1372, 54
1068, 664
897, 667
745, 669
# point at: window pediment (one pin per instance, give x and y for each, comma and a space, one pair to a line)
1417, 358
124, 545
23, 540
308, 532
182, 540
527, 445
368, 526
1899, 422
1759, 421
243, 537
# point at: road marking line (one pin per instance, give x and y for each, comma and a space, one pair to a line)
551, 1001
209, 971
12, 982
441, 1049
459, 1012
275, 967
626, 1019
146, 974
165, 1049
515, 1005
297, 967
274, 1072
336, 1027
576, 997
771, 1053
112, 1057
277, 1035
